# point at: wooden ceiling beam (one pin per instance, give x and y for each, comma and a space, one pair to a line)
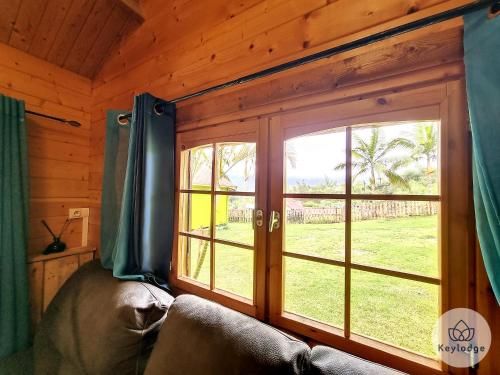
133, 8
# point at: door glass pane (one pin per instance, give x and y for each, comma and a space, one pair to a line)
401, 158
314, 290
195, 256
315, 227
234, 270
234, 219
196, 168
235, 166
315, 163
401, 235
397, 311
195, 212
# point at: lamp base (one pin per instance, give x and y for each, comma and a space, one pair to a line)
55, 247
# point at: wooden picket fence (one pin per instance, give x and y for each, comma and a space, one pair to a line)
360, 211
240, 215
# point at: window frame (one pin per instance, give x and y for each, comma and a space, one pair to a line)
447, 101
241, 131
443, 102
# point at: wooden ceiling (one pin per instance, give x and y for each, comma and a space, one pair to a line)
74, 34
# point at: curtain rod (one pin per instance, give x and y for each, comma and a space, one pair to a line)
374, 38
69, 122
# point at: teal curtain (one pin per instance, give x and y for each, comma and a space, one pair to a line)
482, 62
14, 302
138, 192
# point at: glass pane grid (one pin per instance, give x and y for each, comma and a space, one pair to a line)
379, 303
366, 268
234, 270
216, 203
237, 244
235, 166
193, 191
407, 189
196, 168
195, 214
319, 299
396, 158
303, 174
398, 235
315, 227
235, 193
234, 219
196, 255
191, 235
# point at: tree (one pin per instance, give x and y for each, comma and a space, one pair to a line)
230, 155
199, 158
370, 156
425, 147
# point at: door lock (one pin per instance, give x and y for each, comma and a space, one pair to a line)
258, 218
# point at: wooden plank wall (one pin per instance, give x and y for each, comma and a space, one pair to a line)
188, 45
58, 154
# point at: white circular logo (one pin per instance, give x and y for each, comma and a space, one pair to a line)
461, 337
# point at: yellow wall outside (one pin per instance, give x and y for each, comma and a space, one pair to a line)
200, 204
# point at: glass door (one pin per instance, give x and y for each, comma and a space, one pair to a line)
221, 221
356, 252
347, 223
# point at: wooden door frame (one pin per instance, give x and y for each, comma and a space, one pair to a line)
251, 130
443, 92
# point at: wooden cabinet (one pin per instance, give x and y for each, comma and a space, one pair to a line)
47, 273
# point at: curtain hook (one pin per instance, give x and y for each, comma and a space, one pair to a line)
159, 109
122, 119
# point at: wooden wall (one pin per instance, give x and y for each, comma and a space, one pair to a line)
58, 154
188, 45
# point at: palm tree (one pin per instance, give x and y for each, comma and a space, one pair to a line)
425, 147
199, 157
230, 155
370, 157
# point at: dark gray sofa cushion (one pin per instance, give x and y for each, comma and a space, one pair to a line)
329, 361
202, 337
98, 324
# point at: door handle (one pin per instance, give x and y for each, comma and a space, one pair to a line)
258, 218
274, 221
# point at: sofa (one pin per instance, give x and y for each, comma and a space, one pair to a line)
97, 324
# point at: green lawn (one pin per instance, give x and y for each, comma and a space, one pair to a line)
397, 311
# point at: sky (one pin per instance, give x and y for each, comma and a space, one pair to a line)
317, 155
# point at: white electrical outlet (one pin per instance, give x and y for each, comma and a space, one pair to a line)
78, 213
81, 213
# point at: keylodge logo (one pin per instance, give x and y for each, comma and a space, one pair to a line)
461, 332
461, 337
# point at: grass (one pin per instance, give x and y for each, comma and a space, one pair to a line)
400, 312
